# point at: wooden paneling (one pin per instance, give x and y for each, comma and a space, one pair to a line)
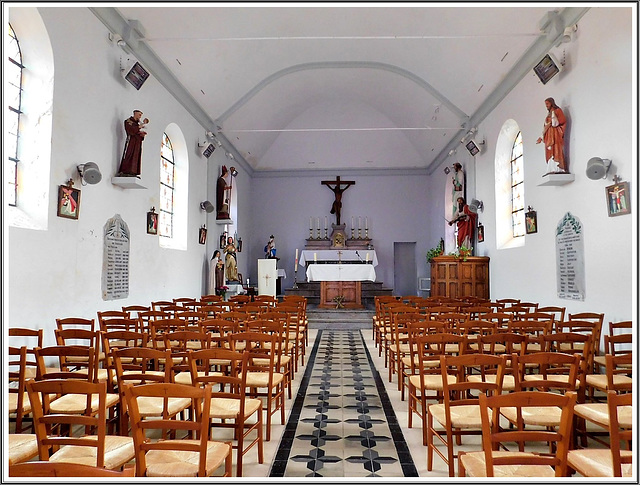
350, 290
454, 278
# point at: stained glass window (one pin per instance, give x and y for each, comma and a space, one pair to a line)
517, 188
13, 98
167, 188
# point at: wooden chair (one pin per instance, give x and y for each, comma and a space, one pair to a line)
61, 469
507, 302
494, 463
576, 323
133, 311
182, 301
117, 320
557, 373
616, 342
138, 366
146, 317
161, 304
240, 299
230, 403
210, 298
611, 462
410, 364
429, 377
18, 405
86, 338
119, 339
459, 414
83, 323
181, 343
616, 379
502, 344
99, 450
175, 457
76, 363
558, 312
261, 371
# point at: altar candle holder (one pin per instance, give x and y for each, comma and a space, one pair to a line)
326, 233
351, 232
295, 280
359, 233
366, 233
310, 233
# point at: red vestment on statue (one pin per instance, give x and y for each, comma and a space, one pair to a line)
466, 226
132, 155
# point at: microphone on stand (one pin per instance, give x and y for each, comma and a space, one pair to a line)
359, 257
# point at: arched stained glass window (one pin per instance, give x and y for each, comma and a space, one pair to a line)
13, 97
167, 188
517, 188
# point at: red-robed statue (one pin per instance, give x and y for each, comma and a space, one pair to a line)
132, 155
466, 221
553, 137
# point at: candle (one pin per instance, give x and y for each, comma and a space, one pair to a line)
367, 258
352, 226
315, 257
366, 222
318, 224
326, 221
296, 261
310, 222
359, 222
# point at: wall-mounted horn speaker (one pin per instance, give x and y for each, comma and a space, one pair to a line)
597, 168
206, 206
90, 173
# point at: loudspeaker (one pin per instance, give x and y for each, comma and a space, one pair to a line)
90, 173
597, 168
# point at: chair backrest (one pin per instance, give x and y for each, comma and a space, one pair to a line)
198, 424
618, 344
240, 298
616, 432
619, 365
550, 366
75, 362
140, 365
625, 327
17, 367
133, 311
432, 346
119, 323
557, 311
63, 469
84, 323
507, 302
494, 434
182, 301
502, 343
596, 318
462, 391
181, 343
161, 304
157, 329
29, 337
44, 420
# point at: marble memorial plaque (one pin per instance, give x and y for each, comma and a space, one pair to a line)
570, 258
115, 260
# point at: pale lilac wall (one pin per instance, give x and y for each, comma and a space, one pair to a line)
397, 207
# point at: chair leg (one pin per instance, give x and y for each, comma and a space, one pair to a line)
429, 442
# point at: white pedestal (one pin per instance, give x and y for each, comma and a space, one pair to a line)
557, 179
127, 182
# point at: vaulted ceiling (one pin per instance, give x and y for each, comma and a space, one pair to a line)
328, 86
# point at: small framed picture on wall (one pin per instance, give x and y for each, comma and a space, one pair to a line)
152, 222
202, 235
618, 202
68, 201
480, 233
531, 222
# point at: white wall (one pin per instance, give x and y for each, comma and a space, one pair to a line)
595, 92
57, 272
396, 205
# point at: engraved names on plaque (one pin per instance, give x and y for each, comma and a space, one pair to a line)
115, 260
570, 258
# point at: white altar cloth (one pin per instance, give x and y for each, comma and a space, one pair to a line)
341, 272
307, 255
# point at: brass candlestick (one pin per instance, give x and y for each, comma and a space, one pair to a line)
326, 233
366, 233
310, 233
351, 232
359, 233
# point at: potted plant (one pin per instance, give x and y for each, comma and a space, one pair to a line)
222, 291
437, 251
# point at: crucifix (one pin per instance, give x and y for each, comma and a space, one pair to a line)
338, 189
339, 257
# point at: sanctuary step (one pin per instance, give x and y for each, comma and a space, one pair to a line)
370, 289
343, 319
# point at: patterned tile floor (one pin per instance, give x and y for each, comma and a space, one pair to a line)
342, 423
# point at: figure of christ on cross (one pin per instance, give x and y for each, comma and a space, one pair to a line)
337, 189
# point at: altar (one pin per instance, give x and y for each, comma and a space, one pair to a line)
341, 281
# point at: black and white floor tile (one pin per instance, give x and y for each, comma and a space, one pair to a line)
342, 423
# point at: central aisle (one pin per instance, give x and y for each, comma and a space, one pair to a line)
342, 423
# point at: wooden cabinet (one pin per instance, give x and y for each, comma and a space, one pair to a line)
454, 278
351, 291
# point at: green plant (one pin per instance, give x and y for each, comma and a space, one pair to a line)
437, 251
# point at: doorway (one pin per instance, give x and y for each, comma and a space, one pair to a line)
405, 274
